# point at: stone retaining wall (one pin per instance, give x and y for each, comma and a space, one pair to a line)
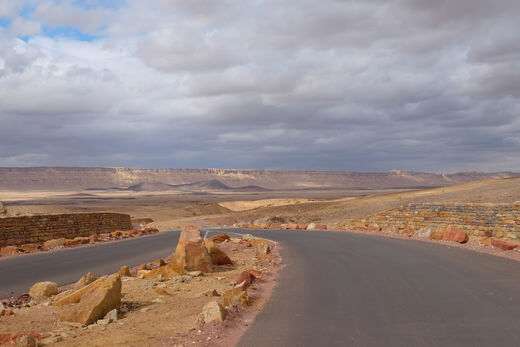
36, 229
497, 220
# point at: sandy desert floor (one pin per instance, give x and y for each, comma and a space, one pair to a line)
170, 210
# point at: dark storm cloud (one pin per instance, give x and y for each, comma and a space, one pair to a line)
343, 85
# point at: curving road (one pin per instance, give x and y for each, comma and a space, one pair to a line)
338, 289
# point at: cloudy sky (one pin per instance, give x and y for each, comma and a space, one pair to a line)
357, 85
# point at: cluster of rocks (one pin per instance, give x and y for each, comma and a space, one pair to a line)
77, 241
281, 226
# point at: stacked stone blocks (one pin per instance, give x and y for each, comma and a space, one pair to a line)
15, 231
486, 220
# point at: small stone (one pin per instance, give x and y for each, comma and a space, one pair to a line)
124, 271
104, 321
195, 273
158, 301
51, 340
43, 290
85, 280
111, 315
145, 309
213, 311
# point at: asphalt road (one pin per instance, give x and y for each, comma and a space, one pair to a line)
343, 289
18, 274
338, 289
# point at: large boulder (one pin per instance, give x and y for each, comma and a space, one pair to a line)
191, 254
456, 235
74, 296
43, 290
94, 304
218, 257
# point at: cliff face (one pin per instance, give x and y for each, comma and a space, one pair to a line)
67, 178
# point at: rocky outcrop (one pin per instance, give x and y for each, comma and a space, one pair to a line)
43, 290
191, 253
95, 303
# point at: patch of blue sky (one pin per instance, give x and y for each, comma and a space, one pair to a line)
27, 10
5, 22
69, 33
90, 4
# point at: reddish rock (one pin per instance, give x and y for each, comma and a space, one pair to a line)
436, 235
9, 250
244, 281
292, 226
255, 273
302, 226
503, 245
456, 235
11, 338
220, 238
191, 253
320, 227
246, 243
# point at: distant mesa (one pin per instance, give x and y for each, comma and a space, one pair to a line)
204, 180
211, 185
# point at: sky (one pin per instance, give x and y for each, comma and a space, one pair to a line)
354, 85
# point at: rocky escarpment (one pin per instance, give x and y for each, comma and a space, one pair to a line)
66, 178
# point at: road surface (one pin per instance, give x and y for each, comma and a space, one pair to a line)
338, 289
343, 289
18, 274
